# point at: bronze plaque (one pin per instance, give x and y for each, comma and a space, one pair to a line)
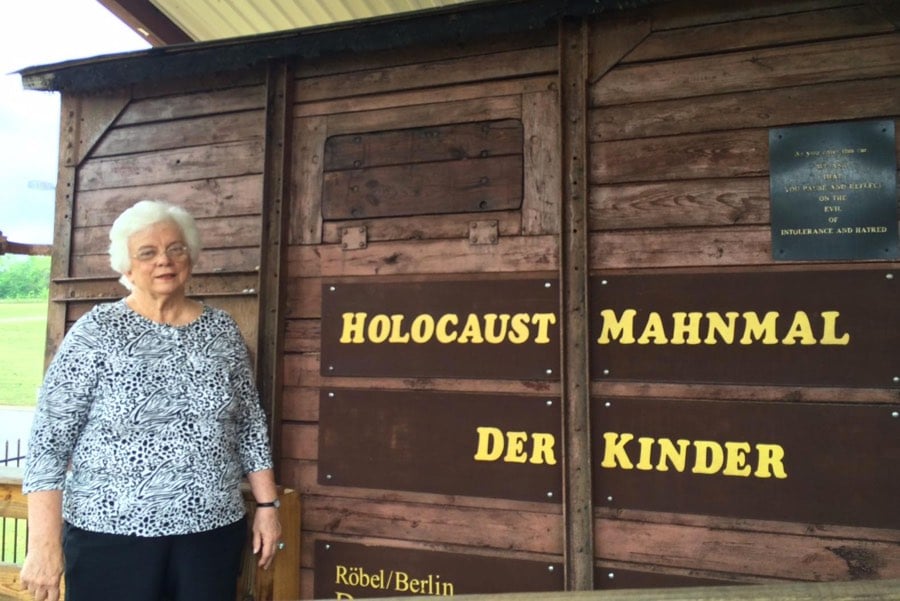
799, 328
497, 329
800, 462
501, 446
354, 571
833, 191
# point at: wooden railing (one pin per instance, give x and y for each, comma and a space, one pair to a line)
281, 582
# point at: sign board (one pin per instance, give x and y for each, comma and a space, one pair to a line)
801, 328
497, 328
354, 571
833, 190
500, 446
800, 462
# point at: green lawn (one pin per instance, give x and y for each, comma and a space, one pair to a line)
23, 326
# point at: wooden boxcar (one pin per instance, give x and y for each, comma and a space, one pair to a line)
522, 313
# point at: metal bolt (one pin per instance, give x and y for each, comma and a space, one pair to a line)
550, 568
331, 395
609, 498
605, 372
895, 413
604, 282
331, 368
890, 276
607, 404
327, 547
611, 575
547, 284
896, 379
550, 494
549, 372
332, 288
328, 476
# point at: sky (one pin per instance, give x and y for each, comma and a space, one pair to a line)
41, 32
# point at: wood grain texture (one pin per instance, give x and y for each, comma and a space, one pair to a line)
174, 106
543, 180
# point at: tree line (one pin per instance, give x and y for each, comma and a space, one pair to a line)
24, 278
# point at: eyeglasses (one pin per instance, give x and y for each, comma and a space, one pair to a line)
174, 252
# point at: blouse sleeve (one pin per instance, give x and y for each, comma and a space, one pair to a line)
253, 437
64, 401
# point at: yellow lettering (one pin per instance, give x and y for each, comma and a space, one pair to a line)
396, 326
709, 457
471, 331
668, 454
515, 446
736, 459
829, 329
422, 328
686, 323
442, 334
770, 462
542, 449
760, 330
654, 329
519, 327
352, 331
543, 322
490, 333
718, 326
800, 328
614, 328
379, 329
614, 454
490, 443
644, 457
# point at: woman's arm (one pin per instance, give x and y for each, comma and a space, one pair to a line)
44, 564
266, 525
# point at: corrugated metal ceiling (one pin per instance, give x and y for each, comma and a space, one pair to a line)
205, 20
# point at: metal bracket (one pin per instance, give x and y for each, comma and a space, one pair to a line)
484, 232
354, 238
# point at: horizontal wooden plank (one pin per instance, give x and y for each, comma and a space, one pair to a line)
740, 552
688, 203
214, 233
424, 227
10, 585
207, 102
214, 261
302, 335
872, 98
423, 145
776, 30
181, 165
299, 404
303, 371
303, 298
750, 393
198, 131
833, 61
484, 67
538, 253
741, 153
485, 528
459, 186
407, 99
426, 114
213, 197
691, 13
13, 504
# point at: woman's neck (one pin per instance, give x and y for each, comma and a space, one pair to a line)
171, 310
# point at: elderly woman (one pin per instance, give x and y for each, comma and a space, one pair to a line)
151, 408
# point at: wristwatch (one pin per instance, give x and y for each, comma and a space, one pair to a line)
276, 504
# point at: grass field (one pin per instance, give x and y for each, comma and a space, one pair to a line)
23, 326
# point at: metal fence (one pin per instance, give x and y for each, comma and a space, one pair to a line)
13, 532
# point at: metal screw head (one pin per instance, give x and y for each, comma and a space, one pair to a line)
896, 379
331, 395
549, 403
332, 288
605, 372
890, 276
611, 575
549, 372
895, 413
607, 404
550, 568
609, 498
547, 284
328, 476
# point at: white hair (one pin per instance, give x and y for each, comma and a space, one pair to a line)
142, 215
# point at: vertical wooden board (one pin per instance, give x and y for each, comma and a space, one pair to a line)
305, 205
542, 185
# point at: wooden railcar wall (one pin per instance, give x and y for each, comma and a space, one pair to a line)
681, 100
513, 79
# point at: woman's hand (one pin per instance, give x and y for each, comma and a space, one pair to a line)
266, 535
42, 571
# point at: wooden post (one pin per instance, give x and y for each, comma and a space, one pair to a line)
574, 371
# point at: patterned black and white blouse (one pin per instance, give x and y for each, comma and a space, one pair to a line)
159, 423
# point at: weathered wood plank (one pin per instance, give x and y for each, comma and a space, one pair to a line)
214, 197
688, 203
308, 158
749, 393
692, 13
841, 22
840, 60
81, 295
219, 261
484, 528
302, 335
299, 441
303, 371
300, 404
423, 227
538, 253
181, 165
460, 186
97, 116
741, 552
427, 115
404, 99
207, 102
741, 153
424, 145
613, 39
872, 98
543, 185
166, 135
304, 297
483, 67
214, 233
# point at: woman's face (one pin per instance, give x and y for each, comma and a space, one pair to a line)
160, 261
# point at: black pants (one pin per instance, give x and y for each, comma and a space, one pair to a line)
189, 567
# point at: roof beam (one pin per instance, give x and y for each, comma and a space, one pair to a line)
148, 21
